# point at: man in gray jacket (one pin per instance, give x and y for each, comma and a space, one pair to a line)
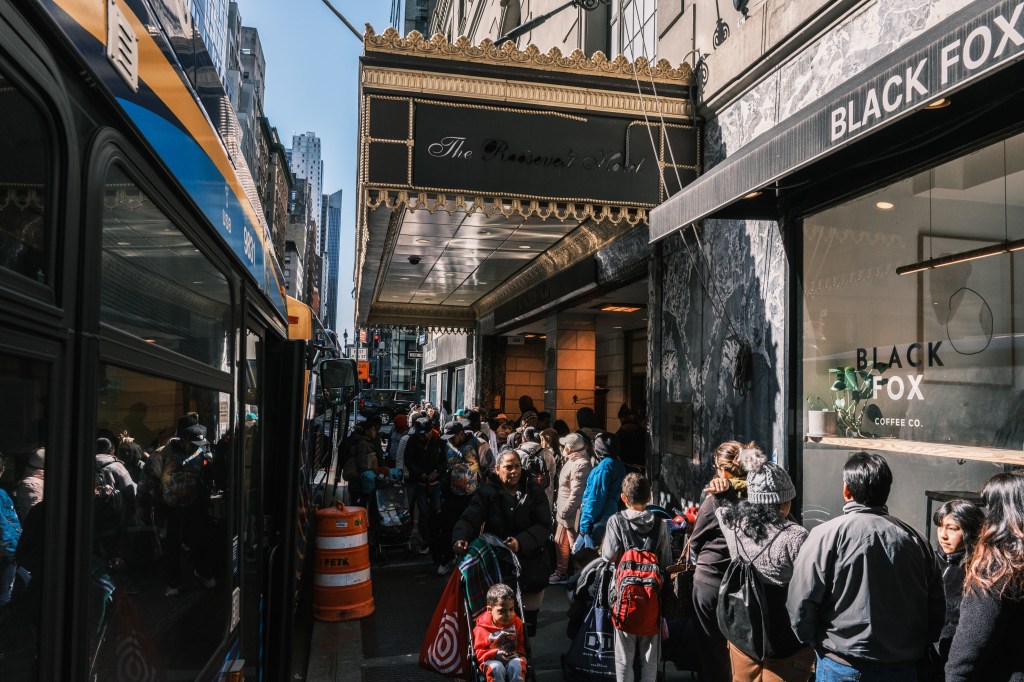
866, 591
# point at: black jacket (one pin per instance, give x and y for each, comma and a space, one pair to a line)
953, 572
525, 516
986, 646
423, 458
707, 541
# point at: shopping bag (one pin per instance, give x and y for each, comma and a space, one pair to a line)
677, 597
591, 656
446, 645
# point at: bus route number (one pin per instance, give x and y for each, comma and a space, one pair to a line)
249, 244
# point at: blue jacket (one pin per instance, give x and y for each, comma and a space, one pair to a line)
601, 498
10, 526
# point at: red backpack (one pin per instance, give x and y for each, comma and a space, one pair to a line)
635, 606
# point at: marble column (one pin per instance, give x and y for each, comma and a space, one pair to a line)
570, 358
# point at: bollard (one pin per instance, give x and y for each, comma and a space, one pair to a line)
341, 565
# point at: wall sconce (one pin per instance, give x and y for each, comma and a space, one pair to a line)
963, 257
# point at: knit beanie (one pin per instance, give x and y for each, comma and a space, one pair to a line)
767, 483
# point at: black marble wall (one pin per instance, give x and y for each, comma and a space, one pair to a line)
715, 296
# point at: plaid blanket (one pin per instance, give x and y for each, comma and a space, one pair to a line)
487, 561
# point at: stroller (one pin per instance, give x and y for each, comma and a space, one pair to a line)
488, 561
394, 527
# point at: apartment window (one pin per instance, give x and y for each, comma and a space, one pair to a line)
634, 29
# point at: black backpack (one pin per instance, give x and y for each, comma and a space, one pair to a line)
534, 466
742, 606
107, 498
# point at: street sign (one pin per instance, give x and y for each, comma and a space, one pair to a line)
364, 370
362, 354
414, 354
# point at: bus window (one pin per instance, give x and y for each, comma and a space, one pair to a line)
23, 425
24, 179
156, 284
161, 540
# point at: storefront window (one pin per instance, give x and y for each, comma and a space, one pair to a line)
936, 356
24, 178
160, 518
23, 469
156, 283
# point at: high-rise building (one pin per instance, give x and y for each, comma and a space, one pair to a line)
332, 255
306, 164
416, 16
211, 21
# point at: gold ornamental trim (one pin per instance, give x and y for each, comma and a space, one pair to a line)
521, 92
507, 207
438, 47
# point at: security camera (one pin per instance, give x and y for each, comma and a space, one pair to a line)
414, 260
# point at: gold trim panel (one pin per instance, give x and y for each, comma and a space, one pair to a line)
438, 47
520, 92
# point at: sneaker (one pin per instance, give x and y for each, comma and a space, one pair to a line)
171, 592
445, 569
556, 579
425, 549
208, 583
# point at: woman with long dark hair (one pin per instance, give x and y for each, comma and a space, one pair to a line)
957, 527
986, 645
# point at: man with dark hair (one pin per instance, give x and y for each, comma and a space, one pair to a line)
425, 463
866, 591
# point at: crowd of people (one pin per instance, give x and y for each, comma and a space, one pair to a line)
862, 596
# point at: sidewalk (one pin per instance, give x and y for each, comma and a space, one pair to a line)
385, 645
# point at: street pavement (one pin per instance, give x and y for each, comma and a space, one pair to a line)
385, 645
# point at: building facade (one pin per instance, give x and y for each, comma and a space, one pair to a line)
210, 19
306, 163
332, 255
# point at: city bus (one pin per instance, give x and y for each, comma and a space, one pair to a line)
158, 427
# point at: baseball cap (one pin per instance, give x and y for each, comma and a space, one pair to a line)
452, 429
574, 441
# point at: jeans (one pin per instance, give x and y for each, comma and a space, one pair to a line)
8, 569
428, 501
833, 671
497, 671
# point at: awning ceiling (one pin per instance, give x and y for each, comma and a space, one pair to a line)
430, 253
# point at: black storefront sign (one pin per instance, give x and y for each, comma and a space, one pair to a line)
487, 150
961, 54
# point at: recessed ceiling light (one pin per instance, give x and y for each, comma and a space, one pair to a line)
422, 241
885, 205
481, 282
484, 232
197, 282
940, 103
404, 279
619, 308
124, 243
616, 327
753, 195
525, 246
150, 340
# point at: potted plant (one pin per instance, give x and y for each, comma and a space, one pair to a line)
820, 423
851, 389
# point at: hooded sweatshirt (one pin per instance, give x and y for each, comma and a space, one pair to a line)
627, 528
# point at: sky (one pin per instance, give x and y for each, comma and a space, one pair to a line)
313, 85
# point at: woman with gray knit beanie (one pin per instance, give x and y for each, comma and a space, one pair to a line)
758, 528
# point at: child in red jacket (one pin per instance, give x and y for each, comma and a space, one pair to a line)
498, 638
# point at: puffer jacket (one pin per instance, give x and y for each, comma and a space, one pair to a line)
524, 516
572, 482
10, 526
601, 498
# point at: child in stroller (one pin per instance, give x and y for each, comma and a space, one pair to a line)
499, 639
488, 562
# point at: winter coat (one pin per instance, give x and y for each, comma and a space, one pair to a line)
30, 491
953, 572
362, 455
423, 458
830, 608
114, 469
707, 542
10, 526
986, 646
601, 498
489, 639
572, 482
524, 516
632, 445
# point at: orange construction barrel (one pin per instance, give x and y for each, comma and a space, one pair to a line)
341, 565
